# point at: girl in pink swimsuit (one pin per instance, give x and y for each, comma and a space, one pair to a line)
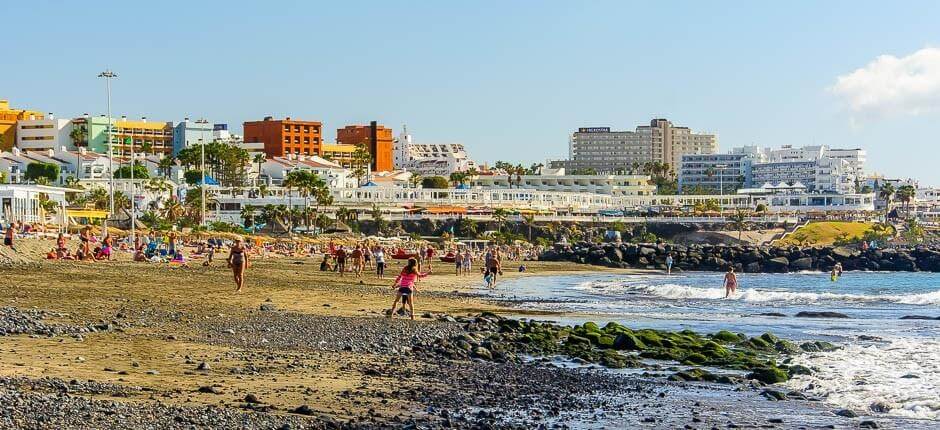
406, 284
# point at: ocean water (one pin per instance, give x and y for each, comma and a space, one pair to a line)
888, 366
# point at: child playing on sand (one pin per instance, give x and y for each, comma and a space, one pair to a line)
406, 282
9, 236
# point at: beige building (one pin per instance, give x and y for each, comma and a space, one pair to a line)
611, 152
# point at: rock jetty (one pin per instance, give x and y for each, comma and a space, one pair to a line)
750, 259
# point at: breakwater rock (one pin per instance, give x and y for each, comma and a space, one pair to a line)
750, 259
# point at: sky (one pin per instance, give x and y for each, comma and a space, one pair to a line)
510, 80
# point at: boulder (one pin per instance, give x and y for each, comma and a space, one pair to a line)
777, 265
768, 375
805, 263
627, 341
845, 252
820, 314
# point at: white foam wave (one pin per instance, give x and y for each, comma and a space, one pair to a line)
685, 292
902, 375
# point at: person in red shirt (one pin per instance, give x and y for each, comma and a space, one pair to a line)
430, 255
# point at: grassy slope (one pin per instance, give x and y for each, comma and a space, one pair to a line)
825, 232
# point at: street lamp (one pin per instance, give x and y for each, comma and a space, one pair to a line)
202, 155
721, 186
108, 74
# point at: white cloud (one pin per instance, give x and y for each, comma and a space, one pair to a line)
890, 85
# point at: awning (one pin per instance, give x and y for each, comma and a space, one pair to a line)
446, 210
86, 213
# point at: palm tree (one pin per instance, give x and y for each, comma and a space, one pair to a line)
885, 193
905, 195
636, 167
79, 136
263, 191
294, 179
99, 197
296, 216
173, 210
166, 165
361, 159
260, 159
500, 215
415, 180
529, 221
322, 221
248, 216
344, 214
738, 221
458, 178
282, 216
380, 223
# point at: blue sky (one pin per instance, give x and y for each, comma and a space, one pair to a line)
511, 80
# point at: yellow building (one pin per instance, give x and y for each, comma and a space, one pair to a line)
339, 154
149, 137
8, 119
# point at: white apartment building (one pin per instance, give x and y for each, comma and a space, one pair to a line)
46, 133
611, 185
430, 159
275, 169
615, 152
818, 167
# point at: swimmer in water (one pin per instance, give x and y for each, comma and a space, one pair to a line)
731, 282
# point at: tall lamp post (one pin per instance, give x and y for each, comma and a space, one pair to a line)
133, 200
202, 155
721, 186
108, 74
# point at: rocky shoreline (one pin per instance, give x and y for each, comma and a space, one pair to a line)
478, 371
748, 259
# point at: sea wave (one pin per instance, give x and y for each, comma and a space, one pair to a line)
756, 295
899, 376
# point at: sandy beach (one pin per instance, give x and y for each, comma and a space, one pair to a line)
137, 345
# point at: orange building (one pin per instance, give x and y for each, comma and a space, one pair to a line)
8, 119
285, 136
376, 138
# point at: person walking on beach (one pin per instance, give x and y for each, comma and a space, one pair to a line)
406, 282
458, 262
492, 264
379, 255
467, 261
357, 261
367, 255
731, 282
430, 255
238, 261
669, 262
340, 260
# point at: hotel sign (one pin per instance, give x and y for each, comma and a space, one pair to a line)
594, 130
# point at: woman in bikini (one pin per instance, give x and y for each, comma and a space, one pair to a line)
406, 282
85, 237
731, 282
238, 261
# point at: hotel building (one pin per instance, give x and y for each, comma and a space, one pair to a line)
377, 140
430, 159
606, 151
8, 119
188, 133
285, 136
44, 133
